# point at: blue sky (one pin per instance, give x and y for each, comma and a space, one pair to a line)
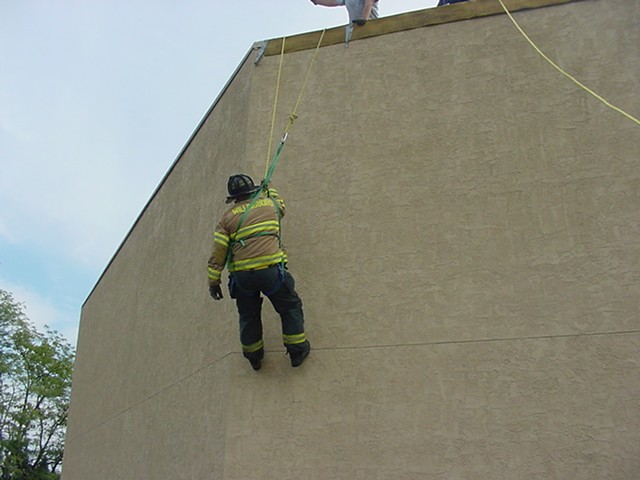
97, 98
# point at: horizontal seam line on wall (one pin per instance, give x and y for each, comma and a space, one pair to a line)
390, 345
485, 340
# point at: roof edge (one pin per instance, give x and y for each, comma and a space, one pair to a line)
407, 21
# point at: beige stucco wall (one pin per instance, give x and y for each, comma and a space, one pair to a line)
463, 223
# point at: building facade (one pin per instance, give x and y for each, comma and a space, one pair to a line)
464, 225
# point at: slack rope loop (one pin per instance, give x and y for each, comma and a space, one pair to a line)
573, 79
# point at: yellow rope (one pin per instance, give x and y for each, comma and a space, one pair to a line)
619, 110
304, 85
294, 114
275, 107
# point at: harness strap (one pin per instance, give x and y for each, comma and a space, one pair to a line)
257, 234
279, 282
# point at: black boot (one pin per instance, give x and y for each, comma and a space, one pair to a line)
297, 357
256, 363
255, 359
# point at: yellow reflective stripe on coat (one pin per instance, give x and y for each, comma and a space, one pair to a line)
270, 226
214, 274
221, 239
274, 195
257, 262
293, 339
254, 347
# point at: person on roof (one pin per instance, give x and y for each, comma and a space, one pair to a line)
247, 241
359, 10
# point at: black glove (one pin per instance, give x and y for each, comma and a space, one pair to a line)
216, 292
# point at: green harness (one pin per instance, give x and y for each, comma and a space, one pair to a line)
242, 242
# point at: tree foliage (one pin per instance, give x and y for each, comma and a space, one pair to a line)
35, 386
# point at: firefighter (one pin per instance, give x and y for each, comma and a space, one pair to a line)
247, 240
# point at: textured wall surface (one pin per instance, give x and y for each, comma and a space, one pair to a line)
464, 227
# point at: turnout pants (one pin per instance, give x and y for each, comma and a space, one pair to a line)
278, 286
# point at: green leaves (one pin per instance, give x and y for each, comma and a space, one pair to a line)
35, 386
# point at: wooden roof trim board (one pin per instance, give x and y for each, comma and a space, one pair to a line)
406, 21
